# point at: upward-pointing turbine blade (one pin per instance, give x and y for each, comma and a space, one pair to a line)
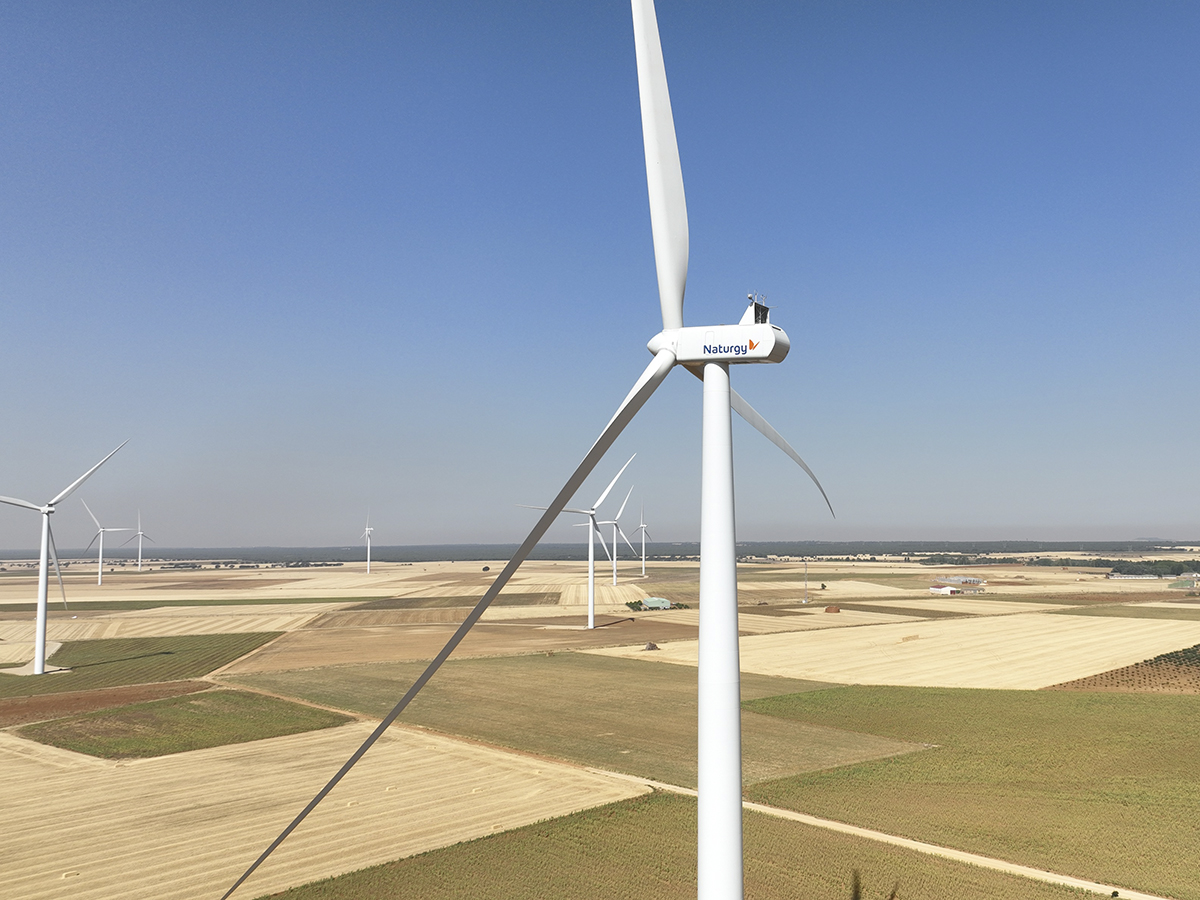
625, 501
750, 414
13, 501
664, 176
611, 484
649, 381
82, 478
57, 570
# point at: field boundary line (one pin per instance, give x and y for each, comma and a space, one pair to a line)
973, 859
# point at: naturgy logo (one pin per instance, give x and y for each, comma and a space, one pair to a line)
730, 349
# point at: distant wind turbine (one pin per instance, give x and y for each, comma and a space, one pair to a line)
367, 534
140, 534
47, 510
616, 527
593, 530
642, 528
100, 532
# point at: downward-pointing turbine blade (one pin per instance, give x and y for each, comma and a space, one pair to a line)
93, 541
82, 478
621, 532
57, 570
664, 177
131, 539
13, 501
649, 381
90, 513
600, 536
750, 414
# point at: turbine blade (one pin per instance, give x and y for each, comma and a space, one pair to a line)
13, 501
612, 483
131, 540
57, 570
626, 500
763, 427
664, 176
600, 534
92, 541
649, 381
750, 414
90, 513
84, 477
147, 537
621, 532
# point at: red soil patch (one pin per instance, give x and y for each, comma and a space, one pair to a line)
1172, 673
20, 710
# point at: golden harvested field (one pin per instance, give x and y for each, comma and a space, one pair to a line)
1022, 652
185, 826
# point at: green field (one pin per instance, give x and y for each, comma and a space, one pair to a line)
109, 663
1180, 614
543, 598
1100, 786
646, 848
191, 722
622, 714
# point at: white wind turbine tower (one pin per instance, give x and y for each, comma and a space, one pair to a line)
367, 534
593, 530
100, 532
139, 535
616, 527
47, 510
642, 528
707, 352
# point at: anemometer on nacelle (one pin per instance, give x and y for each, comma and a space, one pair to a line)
753, 340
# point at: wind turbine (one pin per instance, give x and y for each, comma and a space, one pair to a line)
707, 352
642, 528
593, 528
616, 527
139, 535
47, 510
100, 532
367, 534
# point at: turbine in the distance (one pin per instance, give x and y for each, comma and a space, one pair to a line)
138, 535
617, 532
99, 535
367, 534
47, 510
593, 528
642, 529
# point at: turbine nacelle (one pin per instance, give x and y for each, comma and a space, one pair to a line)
753, 343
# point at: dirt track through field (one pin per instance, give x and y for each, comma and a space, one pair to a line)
1016, 652
186, 826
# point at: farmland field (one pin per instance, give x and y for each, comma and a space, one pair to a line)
625, 715
177, 724
120, 661
1100, 786
646, 848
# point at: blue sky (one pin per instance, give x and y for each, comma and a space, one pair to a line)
310, 257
